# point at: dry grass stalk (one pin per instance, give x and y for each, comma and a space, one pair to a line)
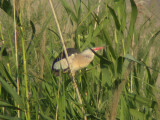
95, 25
16, 51
65, 51
117, 94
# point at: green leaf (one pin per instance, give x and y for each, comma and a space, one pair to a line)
125, 66
99, 28
4, 117
106, 77
114, 17
89, 38
36, 39
88, 14
148, 47
132, 25
122, 6
120, 65
78, 10
137, 115
6, 75
5, 104
124, 110
69, 10
6, 6
130, 57
44, 115
12, 92
142, 100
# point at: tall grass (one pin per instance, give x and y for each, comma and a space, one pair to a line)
119, 84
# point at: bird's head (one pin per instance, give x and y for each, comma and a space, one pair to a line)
89, 53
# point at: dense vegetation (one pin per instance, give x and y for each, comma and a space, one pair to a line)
121, 83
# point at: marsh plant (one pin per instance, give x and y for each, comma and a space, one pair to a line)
120, 84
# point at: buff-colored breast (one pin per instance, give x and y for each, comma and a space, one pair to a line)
80, 62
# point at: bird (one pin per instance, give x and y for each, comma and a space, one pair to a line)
76, 59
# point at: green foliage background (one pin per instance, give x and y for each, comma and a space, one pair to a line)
121, 83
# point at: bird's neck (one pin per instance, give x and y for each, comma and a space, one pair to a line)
88, 54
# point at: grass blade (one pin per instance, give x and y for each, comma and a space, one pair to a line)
12, 92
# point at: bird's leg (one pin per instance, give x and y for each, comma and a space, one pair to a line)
74, 81
74, 85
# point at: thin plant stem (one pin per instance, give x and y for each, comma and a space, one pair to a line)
56, 113
1, 34
58, 98
131, 71
97, 12
25, 75
65, 51
16, 51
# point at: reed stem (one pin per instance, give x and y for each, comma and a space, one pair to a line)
65, 51
25, 75
16, 52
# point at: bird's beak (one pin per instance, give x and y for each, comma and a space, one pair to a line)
97, 48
